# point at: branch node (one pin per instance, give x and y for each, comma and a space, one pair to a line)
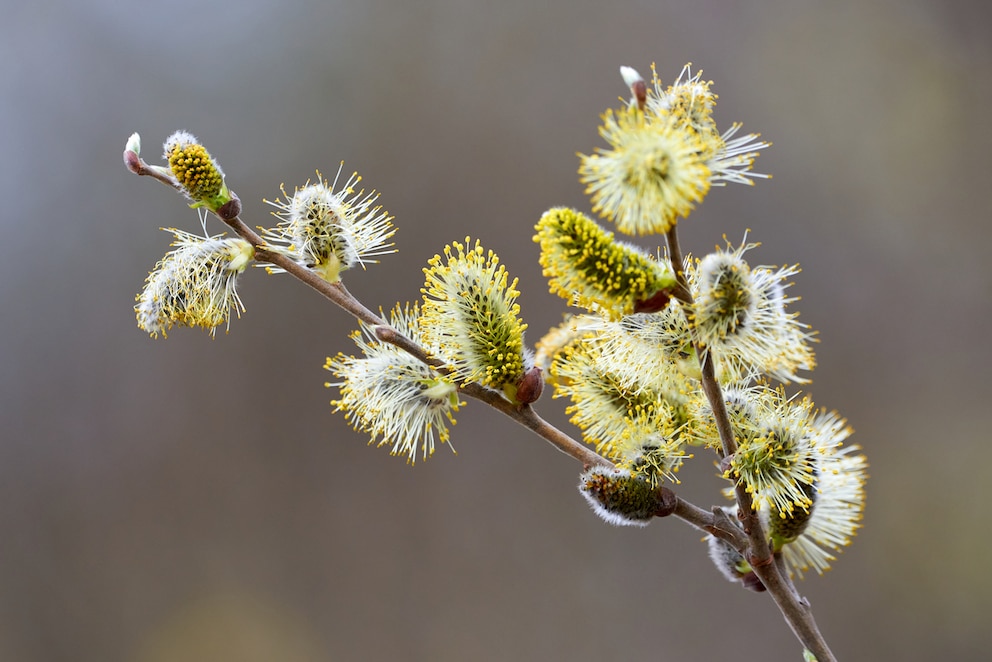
756, 561
231, 209
669, 502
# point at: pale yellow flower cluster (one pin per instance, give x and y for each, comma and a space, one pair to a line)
665, 153
632, 364
194, 285
400, 401
330, 229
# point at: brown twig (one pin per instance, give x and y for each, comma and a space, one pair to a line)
339, 295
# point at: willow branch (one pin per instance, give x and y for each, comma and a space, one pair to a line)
795, 610
523, 414
714, 395
750, 540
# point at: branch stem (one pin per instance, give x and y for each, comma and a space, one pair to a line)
340, 296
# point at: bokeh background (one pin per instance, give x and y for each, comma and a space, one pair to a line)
195, 499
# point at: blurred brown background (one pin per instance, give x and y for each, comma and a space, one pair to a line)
195, 499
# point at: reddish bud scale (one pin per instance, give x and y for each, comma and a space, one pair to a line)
654, 303
667, 502
132, 161
640, 92
753, 583
531, 386
231, 209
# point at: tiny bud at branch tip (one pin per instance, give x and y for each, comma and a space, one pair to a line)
631, 76
132, 161
639, 90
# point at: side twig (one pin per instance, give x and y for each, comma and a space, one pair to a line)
339, 295
757, 551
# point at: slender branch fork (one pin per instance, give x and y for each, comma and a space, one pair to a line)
750, 538
794, 607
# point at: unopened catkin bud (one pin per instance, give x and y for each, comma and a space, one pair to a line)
623, 500
638, 88
731, 563
132, 153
